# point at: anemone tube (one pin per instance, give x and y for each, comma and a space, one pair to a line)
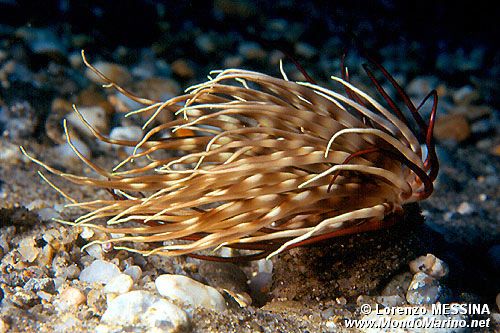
269, 165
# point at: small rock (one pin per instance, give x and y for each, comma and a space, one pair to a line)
465, 208
465, 95
327, 313
9, 153
92, 97
482, 127
189, 291
140, 306
48, 47
87, 233
95, 251
421, 86
116, 73
20, 120
96, 300
53, 124
305, 50
67, 322
423, 289
120, 284
46, 256
122, 103
4, 327
182, 68
25, 299
158, 89
28, 249
42, 41
67, 156
75, 60
233, 61
45, 296
265, 266
430, 265
205, 43
135, 272
62, 269
36, 204
454, 127
94, 115
70, 298
251, 51
99, 271
40, 284
47, 214
130, 133
341, 300
145, 68
275, 56
472, 112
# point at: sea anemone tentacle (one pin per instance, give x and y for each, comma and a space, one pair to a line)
269, 164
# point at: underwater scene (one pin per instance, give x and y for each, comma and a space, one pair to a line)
249, 166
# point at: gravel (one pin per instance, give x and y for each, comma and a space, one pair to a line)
141, 308
190, 292
99, 271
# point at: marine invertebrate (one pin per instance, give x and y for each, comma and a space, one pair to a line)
269, 164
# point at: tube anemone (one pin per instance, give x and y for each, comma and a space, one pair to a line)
269, 164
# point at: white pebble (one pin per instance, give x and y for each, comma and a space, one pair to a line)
94, 115
28, 249
70, 298
9, 153
142, 307
421, 86
95, 251
75, 60
36, 204
430, 265
47, 214
305, 50
87, 233
423, 289
189, 291
120, 284
465, 208
205, 43
99, 271
116, 73
4, 327
251, 50
131, 133
134, 271
265, 266
67, 156
465, 95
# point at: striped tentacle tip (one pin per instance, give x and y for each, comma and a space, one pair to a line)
263, 165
